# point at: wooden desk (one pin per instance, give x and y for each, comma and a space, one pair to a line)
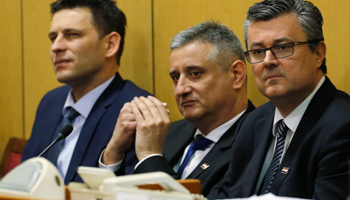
193, 185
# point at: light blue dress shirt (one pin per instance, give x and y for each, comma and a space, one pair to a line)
83, 106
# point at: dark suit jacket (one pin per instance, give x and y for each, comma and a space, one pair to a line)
95, 133
180, 136
317, 157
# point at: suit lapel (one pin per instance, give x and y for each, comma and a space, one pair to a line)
56, 114
310, 118
216, 153
262, 140
51, 121
221, 149
174, 147
84, 141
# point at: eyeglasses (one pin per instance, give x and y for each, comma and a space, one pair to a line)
279, 51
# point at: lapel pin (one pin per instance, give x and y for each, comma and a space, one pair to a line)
285, 170
204, 166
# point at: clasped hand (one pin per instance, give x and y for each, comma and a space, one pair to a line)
153, 125
144, 120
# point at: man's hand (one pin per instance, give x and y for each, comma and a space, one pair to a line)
153, 125
123, 136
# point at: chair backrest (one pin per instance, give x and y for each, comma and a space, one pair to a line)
12, 155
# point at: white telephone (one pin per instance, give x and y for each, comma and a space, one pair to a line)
102, 184
36, 178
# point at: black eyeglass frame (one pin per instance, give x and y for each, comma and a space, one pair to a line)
246, 53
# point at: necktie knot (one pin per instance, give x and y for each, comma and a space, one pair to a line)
282, 129
71, 114
200, 143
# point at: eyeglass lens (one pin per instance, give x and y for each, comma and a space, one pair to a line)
279, 51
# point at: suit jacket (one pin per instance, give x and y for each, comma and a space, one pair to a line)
95, 133
316, 160
180, 135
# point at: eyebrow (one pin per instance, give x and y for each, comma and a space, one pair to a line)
51, 34
191, 67
172, 73
275, 42
64, 30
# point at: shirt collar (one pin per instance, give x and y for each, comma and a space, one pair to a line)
85, 104
216, 134
294, 118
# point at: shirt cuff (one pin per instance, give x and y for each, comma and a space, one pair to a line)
113, 167
152, 155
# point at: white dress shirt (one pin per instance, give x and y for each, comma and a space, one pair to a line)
292, 121
83, 106
198, 155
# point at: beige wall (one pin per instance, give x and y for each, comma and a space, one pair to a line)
26, 72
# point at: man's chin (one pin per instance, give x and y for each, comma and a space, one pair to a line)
63, 79
192, 117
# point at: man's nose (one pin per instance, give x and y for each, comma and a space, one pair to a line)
59, 44
182, 87
270, 60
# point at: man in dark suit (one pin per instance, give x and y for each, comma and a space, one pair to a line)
298, 144
207, 66
87, 43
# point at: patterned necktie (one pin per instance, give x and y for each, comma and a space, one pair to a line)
56, 149
275, 163
200, 143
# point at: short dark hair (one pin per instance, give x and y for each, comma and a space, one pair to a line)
107, 17
309, 16
227, 47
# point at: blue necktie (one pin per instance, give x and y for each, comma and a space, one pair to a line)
275, 163
200, 143
56, 149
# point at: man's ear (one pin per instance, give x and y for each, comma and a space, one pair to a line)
320, 53
238, 73
112, 44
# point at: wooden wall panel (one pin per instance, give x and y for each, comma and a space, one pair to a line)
170, 17
336, 32
39, 76
136, 63
11, 107
26, 77
137, 59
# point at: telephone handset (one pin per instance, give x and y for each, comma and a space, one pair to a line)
163, 179
93, 177
104, 184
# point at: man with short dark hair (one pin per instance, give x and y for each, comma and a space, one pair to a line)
87, 42
207, 66
298, 144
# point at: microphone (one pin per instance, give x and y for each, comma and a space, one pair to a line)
65, 131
